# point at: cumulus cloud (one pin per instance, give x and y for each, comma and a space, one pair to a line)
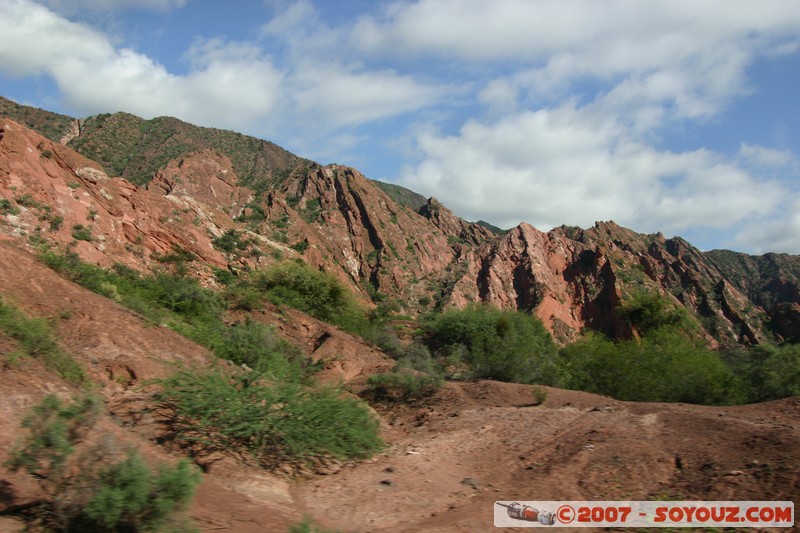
340, 98
563, 165
624, 34
778, 234
575, 118
229, 83
768, 157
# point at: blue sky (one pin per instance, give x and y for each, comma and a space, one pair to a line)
677, 116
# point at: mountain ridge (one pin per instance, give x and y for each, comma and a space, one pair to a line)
185, 187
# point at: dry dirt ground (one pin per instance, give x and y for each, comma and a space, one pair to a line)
447, 461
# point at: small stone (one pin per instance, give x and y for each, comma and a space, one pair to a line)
387, 482
468, 481
389, 469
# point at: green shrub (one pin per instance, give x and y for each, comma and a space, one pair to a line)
417, 356
768, 372
83, 491
308, 526
649, 311
26, 200
81, 233
300, 246
182, 295
7, 208
493, 343
403, 385
128, 496
272, 420
316, 293
312, 210
243, 297
36, 339
539, 394
53, 430
56, 222
664, 366
782, 373
255, 345
230, 241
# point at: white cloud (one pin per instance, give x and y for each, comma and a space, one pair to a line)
624, 34
500, 95
565, 166
780, 234
292, 19
685, 54
339, 97
768, 157
229, 84
551, 111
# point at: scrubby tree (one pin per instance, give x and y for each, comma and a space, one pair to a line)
86, 490
668, 363
493, 343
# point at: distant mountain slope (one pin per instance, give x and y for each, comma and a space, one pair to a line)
135, 149
237, 203
402, 196
768, 280
51, 125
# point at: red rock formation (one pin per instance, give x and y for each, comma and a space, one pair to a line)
341, 222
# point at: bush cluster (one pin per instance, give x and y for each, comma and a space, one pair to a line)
485, 342
665, 365
86, 490
768, 372
269, 404
403, 385
36, 339
274, 419
316, 293
670, 362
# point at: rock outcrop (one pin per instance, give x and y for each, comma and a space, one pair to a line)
339, 221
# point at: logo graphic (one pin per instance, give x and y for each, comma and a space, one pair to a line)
517, 511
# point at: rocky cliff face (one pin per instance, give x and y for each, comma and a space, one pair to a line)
339, 221
573, 278
53, 195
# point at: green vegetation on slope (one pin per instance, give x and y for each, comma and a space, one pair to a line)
402, 196
670, 362
770, 372
485, 342
663, 366
318, 294
36, 339
51, 125
273, 417
767, 280
269, 404
135, 149
85, 491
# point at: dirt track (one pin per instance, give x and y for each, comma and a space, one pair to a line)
475, 445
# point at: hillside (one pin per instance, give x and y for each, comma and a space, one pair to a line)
471, 444
180, 233
382, 239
